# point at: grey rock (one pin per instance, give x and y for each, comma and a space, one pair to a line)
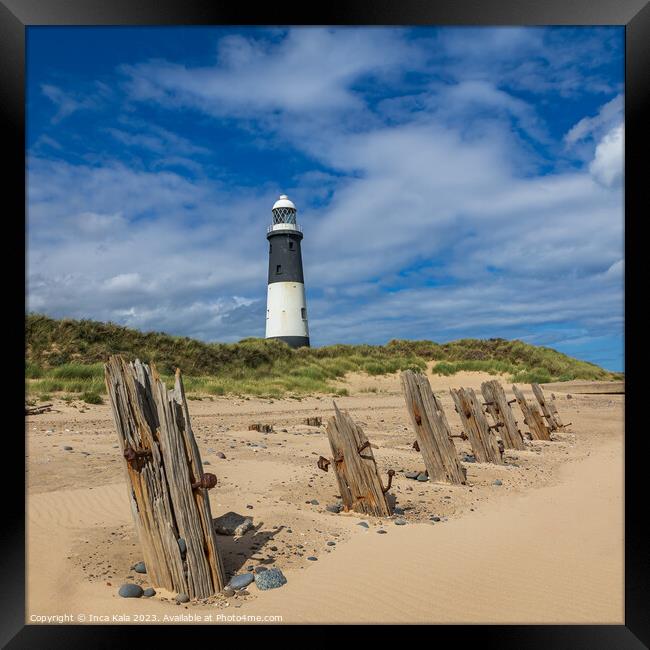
241, 581
400, 521
139, 567
182, 546
381, 531
413, 475
271, 579
422, 477
314, 502
206, 462
67, 448
129, 590
228, 592
232, 524
312, 558
331, 543
363, 524
398, 511
149, 592
334, 507
182, 598
497, 482
469, 458
434, 518
220, 454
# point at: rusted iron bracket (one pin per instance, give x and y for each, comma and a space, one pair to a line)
365, 445
323, 463
391, 473
207, 481
131, 454
416, 446
512, 401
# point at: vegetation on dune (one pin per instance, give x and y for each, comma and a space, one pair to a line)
68, 356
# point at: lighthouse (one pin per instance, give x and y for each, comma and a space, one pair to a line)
286, 307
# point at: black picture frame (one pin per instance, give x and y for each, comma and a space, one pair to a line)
16, 15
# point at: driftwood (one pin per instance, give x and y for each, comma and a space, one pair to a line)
532, 417
433, 435
313, 422
262, 428
497, 406
37, 410
548, 408
167, 486
355, 468
484, 443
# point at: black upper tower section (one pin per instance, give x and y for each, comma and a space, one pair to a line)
285, 257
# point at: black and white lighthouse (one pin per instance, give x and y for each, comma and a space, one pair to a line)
286, 308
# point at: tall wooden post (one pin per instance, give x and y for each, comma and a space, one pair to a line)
355, 467
167, 486
498, 407
432, 432
548, 408
532, 417
475, 424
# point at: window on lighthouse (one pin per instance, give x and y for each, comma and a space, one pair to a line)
303, 313
290, 245
278, 268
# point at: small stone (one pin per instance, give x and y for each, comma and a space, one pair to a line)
497, 482
232, 523
363, 524
182, 598
569, 396
331, 543
206, 462
314, 502
469, 458
182, 546
241, 581
400, 521
271, 579
381, 531
422, 477
228, 592
412, 475
129, 590
312, 558
67, 448
334, 507
260, 569
149, 592
434, 518
220, 454
140, 567
250, 507
398, 511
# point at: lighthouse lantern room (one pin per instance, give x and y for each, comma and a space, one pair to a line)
286, 307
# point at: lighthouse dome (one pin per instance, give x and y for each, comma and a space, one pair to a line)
283, 202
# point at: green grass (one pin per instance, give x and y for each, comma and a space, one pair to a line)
67, 356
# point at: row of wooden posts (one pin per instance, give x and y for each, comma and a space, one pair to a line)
168, 489
353, 461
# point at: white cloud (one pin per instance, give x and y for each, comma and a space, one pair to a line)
607, 165
594, 127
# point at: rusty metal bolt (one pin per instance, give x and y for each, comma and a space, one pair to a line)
207, 481
391, 473
416, 446
365, 445
131, 454
323, 463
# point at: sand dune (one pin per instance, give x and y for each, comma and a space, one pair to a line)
546, 546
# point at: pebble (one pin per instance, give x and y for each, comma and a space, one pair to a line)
314, 502
182, 598
334, 507
497, 482
129, 590
242, 580
206, 462
468, 458
182, 546
312, 558
243, 592
398, 511
381, 531
232, 523
228, 592
149, 592
422, 477
331, 543
140, 567
434, 518
363, 524
220, 454
67, 448
400, 521
413, 475
271, 579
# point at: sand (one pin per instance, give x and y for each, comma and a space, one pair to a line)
546, 546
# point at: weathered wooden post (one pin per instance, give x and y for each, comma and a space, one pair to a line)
532, 417
498, 407
548, 408
432, 432
167, 486
484, 442
355, 467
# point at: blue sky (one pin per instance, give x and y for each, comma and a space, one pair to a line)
451, 182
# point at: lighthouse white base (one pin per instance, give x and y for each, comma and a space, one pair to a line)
286, 312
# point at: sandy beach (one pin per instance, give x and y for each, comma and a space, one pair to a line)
544, 546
